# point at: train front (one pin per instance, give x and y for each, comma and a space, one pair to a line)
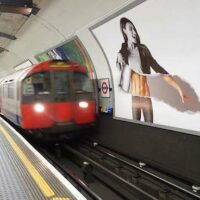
59, 97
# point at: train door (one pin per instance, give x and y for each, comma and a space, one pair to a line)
62, 98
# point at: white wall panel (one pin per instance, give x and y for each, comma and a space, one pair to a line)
96, 55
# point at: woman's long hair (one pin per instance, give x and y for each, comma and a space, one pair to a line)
124, 48
123, 22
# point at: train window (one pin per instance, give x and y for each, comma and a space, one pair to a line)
11, 90
37, 84
82, 83
5, 90
61, 85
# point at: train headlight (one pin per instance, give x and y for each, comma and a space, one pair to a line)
83, 104
39, 107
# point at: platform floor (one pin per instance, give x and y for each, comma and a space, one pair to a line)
26, 175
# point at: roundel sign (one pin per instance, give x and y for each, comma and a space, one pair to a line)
104, 84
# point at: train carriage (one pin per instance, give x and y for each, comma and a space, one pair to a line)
54, 95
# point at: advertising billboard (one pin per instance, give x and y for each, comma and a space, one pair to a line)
152, 48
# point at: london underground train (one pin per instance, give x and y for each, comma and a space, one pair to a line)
52, 95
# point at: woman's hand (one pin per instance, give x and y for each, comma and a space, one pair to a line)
120, 61
185, 98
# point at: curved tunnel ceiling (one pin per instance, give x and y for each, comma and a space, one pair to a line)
10, 24
56, 22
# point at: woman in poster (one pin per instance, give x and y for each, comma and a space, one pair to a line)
135, 62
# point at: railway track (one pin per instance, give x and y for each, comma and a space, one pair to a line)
138, 179
74, 171
103, 174
142, 168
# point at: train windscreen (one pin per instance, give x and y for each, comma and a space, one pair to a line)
69, 83
82, 83
37, 84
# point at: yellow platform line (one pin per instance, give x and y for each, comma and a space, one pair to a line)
42, 184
